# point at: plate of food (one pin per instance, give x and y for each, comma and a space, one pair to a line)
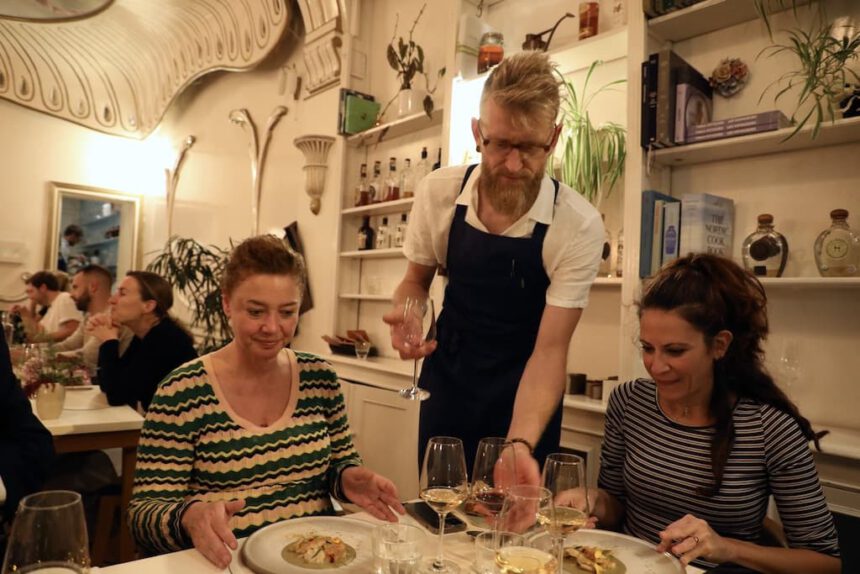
592, 551
314, 544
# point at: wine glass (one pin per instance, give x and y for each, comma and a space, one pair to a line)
444, 486
490, 476
526, 509
49, 534
564, 472
418, 312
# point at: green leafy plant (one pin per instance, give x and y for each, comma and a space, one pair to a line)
195, 271
825, 83
406, 57
48, 369
592, 156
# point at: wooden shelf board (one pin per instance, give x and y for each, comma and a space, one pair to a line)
840, 441
702, 18
810, 282
391, 253
364, 297
397, 206
837, 133
607, 282
395, 129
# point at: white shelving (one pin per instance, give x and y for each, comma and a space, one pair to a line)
384, 208
396, 129
390, 253
810, 282
364, 297
607, 282
837, 133
583, 403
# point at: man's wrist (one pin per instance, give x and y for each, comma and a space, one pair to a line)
521, 441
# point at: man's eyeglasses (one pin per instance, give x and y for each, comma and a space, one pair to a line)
504, 147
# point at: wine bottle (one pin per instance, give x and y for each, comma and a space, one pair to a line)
383, 237
400, 232
366, 235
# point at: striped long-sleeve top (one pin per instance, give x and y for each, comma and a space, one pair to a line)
195, 447
657, 469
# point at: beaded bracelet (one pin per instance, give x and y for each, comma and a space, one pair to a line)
525, 442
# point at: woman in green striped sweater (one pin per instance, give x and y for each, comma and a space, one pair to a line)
253, 433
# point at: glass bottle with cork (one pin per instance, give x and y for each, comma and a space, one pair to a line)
400, 232
362, 191
376, 184
837, 249
366, 235
765, 251
383, 237
407, 180
491, 51
422, 168
392, 182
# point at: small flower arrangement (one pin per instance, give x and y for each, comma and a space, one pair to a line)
51, 370
729, 77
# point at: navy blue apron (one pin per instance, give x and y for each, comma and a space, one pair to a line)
486, 332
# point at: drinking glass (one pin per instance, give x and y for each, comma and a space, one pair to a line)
49, 535
492, 474
487, 545
527, 510
418, 314
397, 548
444, 486
362, 349
564, 472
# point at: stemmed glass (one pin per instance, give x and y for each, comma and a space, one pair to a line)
49, 535
418, 312
491, 474
526, 506
444, 486
564, 472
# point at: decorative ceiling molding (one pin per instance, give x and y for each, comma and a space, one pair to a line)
119, 70
323, 40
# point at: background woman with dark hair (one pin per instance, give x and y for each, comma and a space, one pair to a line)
691, 456
160, 344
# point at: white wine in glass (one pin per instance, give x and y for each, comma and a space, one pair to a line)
564, 472
418, 327
444, 486
525, 560
49, 535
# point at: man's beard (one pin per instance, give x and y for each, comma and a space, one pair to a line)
510, 197
83, 304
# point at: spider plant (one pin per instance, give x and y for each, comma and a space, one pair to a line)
592, 157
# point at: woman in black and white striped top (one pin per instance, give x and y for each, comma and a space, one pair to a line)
690, 458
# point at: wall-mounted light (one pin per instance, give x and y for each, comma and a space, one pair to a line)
315, 148
172, 176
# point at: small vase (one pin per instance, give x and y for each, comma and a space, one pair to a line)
765, 251
49, 401
408, 103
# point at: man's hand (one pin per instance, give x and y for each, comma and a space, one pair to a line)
517, 466
396, 320
372, 492
207, 524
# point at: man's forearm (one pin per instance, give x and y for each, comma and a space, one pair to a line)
540, 390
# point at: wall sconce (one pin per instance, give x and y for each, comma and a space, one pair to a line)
241, 118
316, 149
172, 176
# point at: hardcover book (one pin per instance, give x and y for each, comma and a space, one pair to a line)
357, 112
707, 223
670, 68
649, 102
671, 232
647, 263
694, 99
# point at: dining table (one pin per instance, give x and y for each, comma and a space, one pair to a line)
87, 423
459, 547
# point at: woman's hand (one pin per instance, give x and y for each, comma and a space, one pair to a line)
576, 498
207, 524
372, 492
102, 327
690, 538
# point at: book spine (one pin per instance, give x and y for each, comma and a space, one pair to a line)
648, 8
664, 98
649, 112
671, 232
645, 117
657, 236
700, 137
707, 222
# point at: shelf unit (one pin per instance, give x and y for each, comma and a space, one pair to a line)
396, 129
102, 243
383, 208
389, 253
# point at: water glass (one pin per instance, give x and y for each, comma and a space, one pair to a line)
49, 534
487, 545
362, 349
397, 548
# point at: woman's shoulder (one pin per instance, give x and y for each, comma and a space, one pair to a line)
313, 366
637, 391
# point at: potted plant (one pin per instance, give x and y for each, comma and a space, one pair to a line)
195, 270
825, 84
592, 156
406, 57
45, 378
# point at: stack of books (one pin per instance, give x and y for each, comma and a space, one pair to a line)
750, 124
654, 8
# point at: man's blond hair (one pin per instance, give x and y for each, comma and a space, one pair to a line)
526, 85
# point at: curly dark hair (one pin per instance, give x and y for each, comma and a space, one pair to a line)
714, 294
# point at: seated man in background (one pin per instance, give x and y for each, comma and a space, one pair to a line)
62, 318
26, 447
91, 293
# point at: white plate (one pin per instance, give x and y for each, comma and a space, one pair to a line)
638, 556
89, 398
262, 550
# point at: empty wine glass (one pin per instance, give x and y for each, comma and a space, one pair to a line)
526, 507
491, 476
418, 314
444, 486
565, 473
49, 534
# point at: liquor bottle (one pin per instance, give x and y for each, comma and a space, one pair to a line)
605, 269
619, 254
383, 237
438, 163
375, 185
407, 180
366, 235
392, 182
400, 232
422, 168
362, 191
837, 250
765, 251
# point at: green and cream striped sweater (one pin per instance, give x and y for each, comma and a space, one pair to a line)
195, 447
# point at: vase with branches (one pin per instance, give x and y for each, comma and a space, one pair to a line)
592, 156
406, 57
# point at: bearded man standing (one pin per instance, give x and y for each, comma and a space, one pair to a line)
520, 251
